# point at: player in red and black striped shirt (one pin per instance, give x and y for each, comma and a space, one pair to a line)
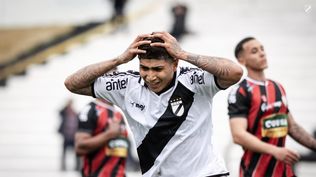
102, 140
260, 119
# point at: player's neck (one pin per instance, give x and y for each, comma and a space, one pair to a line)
257, 75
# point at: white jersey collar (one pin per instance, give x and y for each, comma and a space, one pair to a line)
263, 83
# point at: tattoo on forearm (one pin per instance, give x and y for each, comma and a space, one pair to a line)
85, 78
301, 136
85, 91
194, 59
210, 64
80, 81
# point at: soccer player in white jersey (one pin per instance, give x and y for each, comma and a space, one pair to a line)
168, 108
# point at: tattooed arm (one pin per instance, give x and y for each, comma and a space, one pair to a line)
226, 71
80, 82
299, 134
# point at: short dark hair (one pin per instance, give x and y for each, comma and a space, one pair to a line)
154, 52
239, 47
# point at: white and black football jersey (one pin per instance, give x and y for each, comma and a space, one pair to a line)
172, 130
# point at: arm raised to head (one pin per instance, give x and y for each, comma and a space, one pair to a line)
80, 81
226, 71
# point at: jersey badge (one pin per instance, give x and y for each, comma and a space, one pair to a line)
177, 106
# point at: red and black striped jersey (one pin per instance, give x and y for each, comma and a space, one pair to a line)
110, 160
264, 104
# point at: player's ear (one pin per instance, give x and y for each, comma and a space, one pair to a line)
175, 63
241, 58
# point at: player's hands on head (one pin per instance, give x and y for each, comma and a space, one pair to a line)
132, 50
170, 44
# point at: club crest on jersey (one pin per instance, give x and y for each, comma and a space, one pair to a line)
177, 107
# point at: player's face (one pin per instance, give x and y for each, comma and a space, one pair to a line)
157, 74
254, 56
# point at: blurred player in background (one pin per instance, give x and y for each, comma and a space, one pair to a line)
102, 140
67, 129
260, 118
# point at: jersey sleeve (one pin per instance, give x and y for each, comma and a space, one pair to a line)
238, 102
111, 87
87, 119
199, 81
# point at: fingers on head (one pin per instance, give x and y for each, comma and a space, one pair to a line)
164, 35
141, 37
139, 43
160, 34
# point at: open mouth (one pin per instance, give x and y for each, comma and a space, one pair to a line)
153, 85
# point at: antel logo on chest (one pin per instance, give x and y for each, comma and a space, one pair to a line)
116, 84
177, 106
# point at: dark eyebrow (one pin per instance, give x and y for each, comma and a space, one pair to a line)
143, 66
154, 68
